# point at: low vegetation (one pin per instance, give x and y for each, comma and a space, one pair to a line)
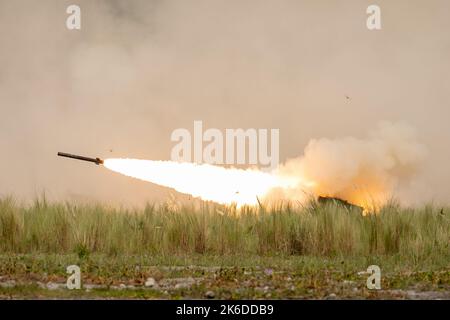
309, 250
413, 234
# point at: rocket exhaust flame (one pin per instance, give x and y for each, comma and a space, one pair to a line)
208, 182
364, 172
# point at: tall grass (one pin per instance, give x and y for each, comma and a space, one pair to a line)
316, 230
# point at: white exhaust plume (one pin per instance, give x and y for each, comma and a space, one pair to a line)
205, 181
362, 171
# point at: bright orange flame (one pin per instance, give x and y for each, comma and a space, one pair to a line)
208, 182
242, 187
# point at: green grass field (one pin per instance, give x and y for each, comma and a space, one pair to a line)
288, 251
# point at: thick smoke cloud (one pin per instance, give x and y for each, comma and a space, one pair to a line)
139, 69
364, 171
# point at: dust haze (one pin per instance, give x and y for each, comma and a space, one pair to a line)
137, 70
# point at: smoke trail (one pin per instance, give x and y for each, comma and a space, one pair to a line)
362, 171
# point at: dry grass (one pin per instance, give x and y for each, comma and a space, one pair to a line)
411, 234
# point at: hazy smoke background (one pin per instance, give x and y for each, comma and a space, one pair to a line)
139, 69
